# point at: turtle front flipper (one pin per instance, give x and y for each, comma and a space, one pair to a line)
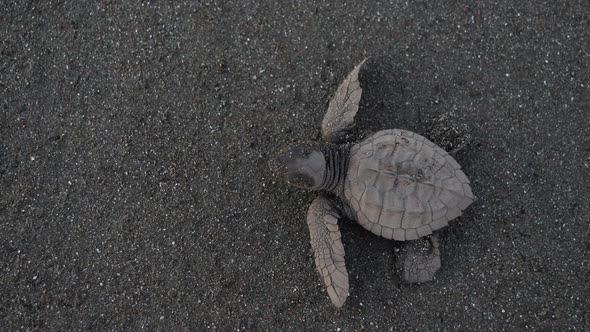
343, 107
328, 251
421, 266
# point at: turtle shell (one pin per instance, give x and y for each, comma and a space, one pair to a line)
402, 186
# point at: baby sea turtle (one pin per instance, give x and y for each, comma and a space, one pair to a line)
395, 183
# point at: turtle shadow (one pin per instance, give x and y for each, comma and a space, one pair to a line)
367, 255
384, 103
395, 96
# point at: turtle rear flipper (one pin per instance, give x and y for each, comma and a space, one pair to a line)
328, 251
420, 267
343, 107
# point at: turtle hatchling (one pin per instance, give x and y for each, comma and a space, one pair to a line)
395, 183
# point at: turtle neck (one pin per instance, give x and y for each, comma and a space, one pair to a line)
336, 168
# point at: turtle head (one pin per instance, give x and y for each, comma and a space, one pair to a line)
303, 165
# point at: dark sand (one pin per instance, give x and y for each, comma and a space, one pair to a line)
136, 192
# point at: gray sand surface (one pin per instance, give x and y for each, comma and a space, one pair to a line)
136, 190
